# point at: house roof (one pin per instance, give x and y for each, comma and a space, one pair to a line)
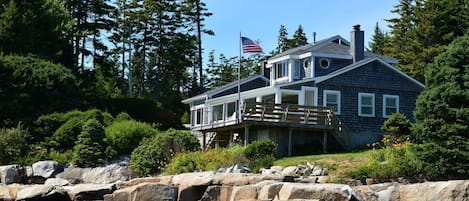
335, 45
217, 90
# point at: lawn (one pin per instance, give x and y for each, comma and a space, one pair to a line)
337, 164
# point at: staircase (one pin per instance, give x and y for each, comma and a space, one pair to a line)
340, 132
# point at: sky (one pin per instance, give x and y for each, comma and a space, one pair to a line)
260, 20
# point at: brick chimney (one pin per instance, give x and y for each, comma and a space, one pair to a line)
357, 43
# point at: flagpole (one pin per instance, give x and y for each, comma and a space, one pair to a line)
239, 77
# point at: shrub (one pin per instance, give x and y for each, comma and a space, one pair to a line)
205, 160
13, 144
89, 150
154, 153
65, 136
390, 162
260, 154
397, 125
185, 118
123, 116
125, 136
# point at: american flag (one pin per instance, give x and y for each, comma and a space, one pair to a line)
249, 46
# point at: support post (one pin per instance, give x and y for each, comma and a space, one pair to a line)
231, 137
324, 145
204, 139
290, 130
246, 135
216, 139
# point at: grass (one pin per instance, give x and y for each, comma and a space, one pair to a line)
337, 164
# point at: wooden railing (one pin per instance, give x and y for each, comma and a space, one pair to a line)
288, 113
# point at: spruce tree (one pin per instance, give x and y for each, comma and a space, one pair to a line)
442, 112
283, 42
378, 40
89, 150
299, 38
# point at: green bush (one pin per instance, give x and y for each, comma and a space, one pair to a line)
260, 154
185, 118
397, 125
389, 163
13, 144
89, 149
125, 136
209, 160
65, 136
123, 116
155, 153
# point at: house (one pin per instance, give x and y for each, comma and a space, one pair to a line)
329, 94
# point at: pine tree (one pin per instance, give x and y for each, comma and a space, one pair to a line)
378, 41
443, 114
299, 38
283, 41
89, 150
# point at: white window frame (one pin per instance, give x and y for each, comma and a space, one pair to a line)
283, 68
297, 69
324, 99
385, 96
373, 104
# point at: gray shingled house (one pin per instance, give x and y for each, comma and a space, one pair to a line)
326, 95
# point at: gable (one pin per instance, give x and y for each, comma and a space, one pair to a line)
373, 73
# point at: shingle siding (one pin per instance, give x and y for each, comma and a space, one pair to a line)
334, 64
372, 78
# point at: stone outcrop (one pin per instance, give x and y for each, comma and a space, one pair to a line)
99, 175
46, 169
144, 192
41, 192
10, 174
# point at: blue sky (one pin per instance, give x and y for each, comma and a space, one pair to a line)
261, 19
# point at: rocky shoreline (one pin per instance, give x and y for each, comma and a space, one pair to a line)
116, 183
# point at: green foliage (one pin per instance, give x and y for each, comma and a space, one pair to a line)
89, 148
123, 116
125, 136
154, 153
378, 41
65, 136
390, 163
32, 87
185, 118
260, 154
443, 114
13, 144
209, 160
397, 125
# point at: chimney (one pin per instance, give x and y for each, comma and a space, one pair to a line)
357, 43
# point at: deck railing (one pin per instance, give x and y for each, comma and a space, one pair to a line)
288, 113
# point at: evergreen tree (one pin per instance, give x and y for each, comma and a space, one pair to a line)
89, 149
443, 114
283, 41
378, 41
299, 38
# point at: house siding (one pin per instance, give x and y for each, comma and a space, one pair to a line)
372, 78
334, 64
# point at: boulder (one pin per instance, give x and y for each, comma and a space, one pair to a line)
248, 192
89, 191
378, 192
216, 193
191, 192
46, 169
56, 182
290, 191
133, 182
240, 179
99, 175
290, 171
42, 192
269, 191
194, 179
12, 174
145, 192
7, 192
443, 190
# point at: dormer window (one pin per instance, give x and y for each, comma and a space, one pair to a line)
282, 69
297, 69
324, 63
306, 63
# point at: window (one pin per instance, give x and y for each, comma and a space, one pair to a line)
306, 63
390, 105
324, 63
297, 71
331, 98
231, 110
282, 69
366, 104
217, 113
198, 117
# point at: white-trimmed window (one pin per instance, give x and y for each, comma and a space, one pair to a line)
297, 69
217, 113
282, 69
366, 104
324, 63
331, 98
390, 105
